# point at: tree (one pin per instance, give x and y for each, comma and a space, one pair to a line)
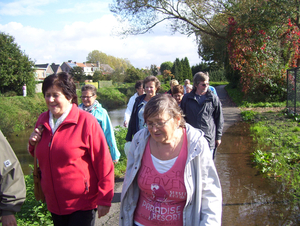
186, 69
154, 69
114, 62
186, 17
133, 75
16, 68
78, 74
166, 66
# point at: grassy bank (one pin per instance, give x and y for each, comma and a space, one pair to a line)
19, 113
277, 141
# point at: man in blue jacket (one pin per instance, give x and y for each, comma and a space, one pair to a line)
203, 110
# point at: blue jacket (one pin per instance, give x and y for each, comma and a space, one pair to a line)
103, 119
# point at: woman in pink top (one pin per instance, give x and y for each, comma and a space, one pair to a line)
170, 177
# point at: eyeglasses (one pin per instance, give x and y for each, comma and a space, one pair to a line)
205, 84
158, 125
86, 97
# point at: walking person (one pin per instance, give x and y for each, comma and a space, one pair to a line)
24, 88
77, 172
203, 110
170, 177
91, 105
12, 184
151, 86
139, 91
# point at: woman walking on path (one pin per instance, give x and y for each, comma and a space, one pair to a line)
77, 170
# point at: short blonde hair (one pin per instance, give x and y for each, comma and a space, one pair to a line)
174, 82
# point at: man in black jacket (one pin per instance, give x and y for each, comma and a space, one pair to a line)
203, 110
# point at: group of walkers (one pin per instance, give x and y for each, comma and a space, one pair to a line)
170, 178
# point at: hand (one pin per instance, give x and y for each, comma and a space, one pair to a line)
125, 124
115, 161
103, 210
218, 142
35, 136
9, 220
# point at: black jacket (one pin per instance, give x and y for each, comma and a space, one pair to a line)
207, 116
133, 126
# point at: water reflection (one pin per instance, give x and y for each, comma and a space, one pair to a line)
248, 198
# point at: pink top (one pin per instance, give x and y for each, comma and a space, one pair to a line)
162, 196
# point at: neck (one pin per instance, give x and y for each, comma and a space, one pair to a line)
200, 93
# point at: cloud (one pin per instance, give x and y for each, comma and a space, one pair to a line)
23, 7
85, 8
76, 40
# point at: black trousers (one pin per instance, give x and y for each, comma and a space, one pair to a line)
78, 218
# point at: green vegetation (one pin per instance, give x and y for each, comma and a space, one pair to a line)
18, 113
277, 152
277, 141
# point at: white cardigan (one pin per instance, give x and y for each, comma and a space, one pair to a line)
204, 196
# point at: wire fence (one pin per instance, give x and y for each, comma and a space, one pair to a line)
293, 90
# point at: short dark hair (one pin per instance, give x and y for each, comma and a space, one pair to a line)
178, 89
163, 103
89, 87
138, 84
65, 82
152, 78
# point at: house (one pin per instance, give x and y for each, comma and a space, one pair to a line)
89, 68
67, 66
42, 71
56, 68
106, 69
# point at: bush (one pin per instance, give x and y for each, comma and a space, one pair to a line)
111, 97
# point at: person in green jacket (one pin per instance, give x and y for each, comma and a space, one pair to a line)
12, 184
90, 104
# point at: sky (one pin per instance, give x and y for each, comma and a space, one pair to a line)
55, 31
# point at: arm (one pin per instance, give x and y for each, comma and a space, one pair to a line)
219, 121
109, 134
12, 189
211, 200
103, 166
129, 109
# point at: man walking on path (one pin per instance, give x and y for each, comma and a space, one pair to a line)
203, 110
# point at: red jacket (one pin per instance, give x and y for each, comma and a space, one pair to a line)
76, 165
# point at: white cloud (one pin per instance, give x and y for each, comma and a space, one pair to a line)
76, 40
85, 8
23, 7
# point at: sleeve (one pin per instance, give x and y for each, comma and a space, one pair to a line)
110, 136
211, 200
129, 108
102, 164
12, 185
219, 119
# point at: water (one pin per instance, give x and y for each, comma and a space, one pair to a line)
248, 198
19, 140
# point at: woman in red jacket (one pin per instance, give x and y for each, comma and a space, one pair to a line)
76, 165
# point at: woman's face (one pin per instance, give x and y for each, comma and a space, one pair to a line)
178, 97
188, 90
162, 127
140, 90
150, 89
56, 101
88, 98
